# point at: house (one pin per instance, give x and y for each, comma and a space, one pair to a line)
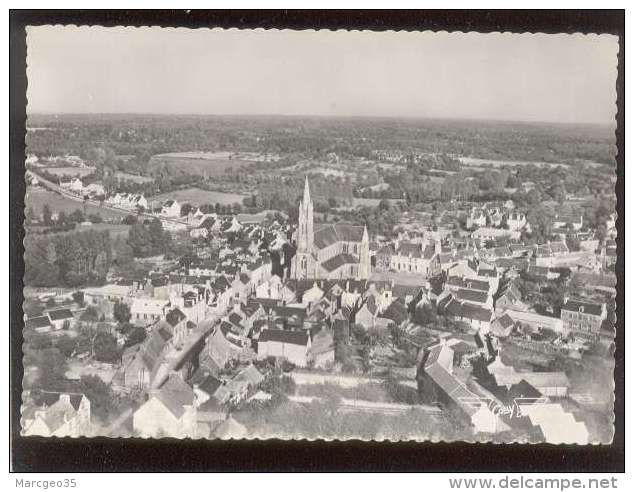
171, 208
479, 298
176, 322
383, 258
59, 317
516, 221
477, 218
546, 254
41, 324
147, 310
557, 425
230, 429
108, 292
583, 318
322, 350
491, 233
503, 326
454, 284
366, 315
562, 221
74, 185
291, 345
54, 414
552, 384
169, 411
476, 269
479, 318
534, 321
441, 385
218, 350
95, 189
509, 297
414, 258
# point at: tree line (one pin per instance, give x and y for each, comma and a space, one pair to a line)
68, 259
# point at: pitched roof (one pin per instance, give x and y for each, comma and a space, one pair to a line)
472, 296
60, 314
583, 306
338, 261
37, 322
330, 234
284, 336
175, 394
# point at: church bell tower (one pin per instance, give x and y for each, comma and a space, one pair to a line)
302, 266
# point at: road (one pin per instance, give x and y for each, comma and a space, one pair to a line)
123, 211
348, 404
199, 333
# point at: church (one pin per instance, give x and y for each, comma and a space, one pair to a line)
329, 251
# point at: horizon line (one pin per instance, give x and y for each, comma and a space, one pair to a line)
325, 115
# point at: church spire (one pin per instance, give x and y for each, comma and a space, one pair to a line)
306, 198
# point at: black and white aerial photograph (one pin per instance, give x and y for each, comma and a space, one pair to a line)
319, 234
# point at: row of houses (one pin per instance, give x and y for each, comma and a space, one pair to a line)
525, 403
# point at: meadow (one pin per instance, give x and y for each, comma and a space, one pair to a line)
196, 196
37, 198
69, 171
200, 163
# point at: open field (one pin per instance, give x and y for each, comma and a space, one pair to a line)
196, 196
473, 161
205, 163
372, 202
57, 203
115, 230
132, 177
69, 171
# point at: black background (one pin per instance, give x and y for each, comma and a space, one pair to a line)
110, 455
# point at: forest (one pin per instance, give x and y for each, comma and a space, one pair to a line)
68, 259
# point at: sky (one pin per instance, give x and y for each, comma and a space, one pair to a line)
502, 76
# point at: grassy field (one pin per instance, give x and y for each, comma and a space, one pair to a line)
200, 163
132, 177
371, 202
67, 172
57, 203
115, 230
196, 196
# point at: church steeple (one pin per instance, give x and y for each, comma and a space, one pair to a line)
306, 198
305, 235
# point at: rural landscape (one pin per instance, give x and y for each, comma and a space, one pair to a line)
273, 234
162, 304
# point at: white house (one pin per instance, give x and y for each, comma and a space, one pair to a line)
60, 316
58, 415
516, 221
147, 310
170, 411
171, 208
291, 345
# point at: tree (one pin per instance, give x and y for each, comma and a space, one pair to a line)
425, 314
78, 297
66, 345
46, 215
186, 208
136, 335
102, 399
121, 312
105, 348
90, 314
